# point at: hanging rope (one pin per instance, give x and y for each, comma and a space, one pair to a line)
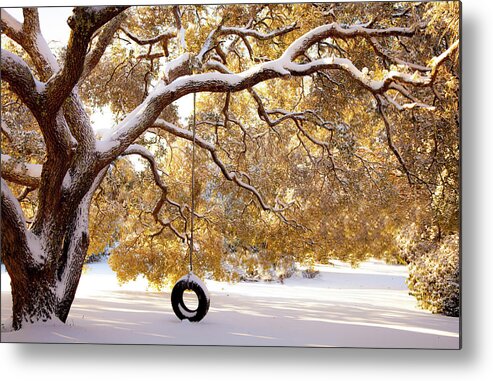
192, 187
191, 281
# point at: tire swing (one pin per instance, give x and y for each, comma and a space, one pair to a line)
191, 282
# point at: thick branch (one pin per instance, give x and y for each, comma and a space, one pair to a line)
14, 232
18, 75
104, 39
12, 214
84, 22
145, 114
176, 68
335, 30
11, 26
21, 173
28, 35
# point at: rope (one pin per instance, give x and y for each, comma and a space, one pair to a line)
192, 187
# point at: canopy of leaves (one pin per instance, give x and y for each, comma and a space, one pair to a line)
345, 193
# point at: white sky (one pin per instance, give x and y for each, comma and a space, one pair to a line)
54, 28
53, 22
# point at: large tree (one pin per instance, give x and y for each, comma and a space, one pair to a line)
374, 67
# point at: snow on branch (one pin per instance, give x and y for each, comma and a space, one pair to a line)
84, 22
16, 72
344, 64
11, 208
144, 115
137, 149
298, 47
179, 26
71, 264
234, 176
10, 25
166, 35
6, 130
15, 235
176, 68
104, 39
246, 32
21, 173
28, 35
436, 62
243, 33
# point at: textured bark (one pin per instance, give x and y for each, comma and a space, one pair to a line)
33, 297
44, 278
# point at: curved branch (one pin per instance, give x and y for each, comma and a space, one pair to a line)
21, 173
28, 35
11, 26
436, 62
242, 33
233, 176
344, 64
104, 39
16, 72
146, 113
384, 53
84, 22
166, 35
136, 149
246, 32
13, 228
335, 30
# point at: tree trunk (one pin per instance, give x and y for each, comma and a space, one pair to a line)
44, 292
33, 297
45, 269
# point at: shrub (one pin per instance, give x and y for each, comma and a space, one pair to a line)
97, 257
310, 273
434, 277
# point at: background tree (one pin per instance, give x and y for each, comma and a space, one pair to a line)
309, 135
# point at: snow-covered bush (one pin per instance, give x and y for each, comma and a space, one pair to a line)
256, 263
96, 257
434, 277
310, 273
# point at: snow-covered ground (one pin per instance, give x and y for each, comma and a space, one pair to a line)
342, 307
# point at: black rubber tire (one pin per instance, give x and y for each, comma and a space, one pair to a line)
177, 301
